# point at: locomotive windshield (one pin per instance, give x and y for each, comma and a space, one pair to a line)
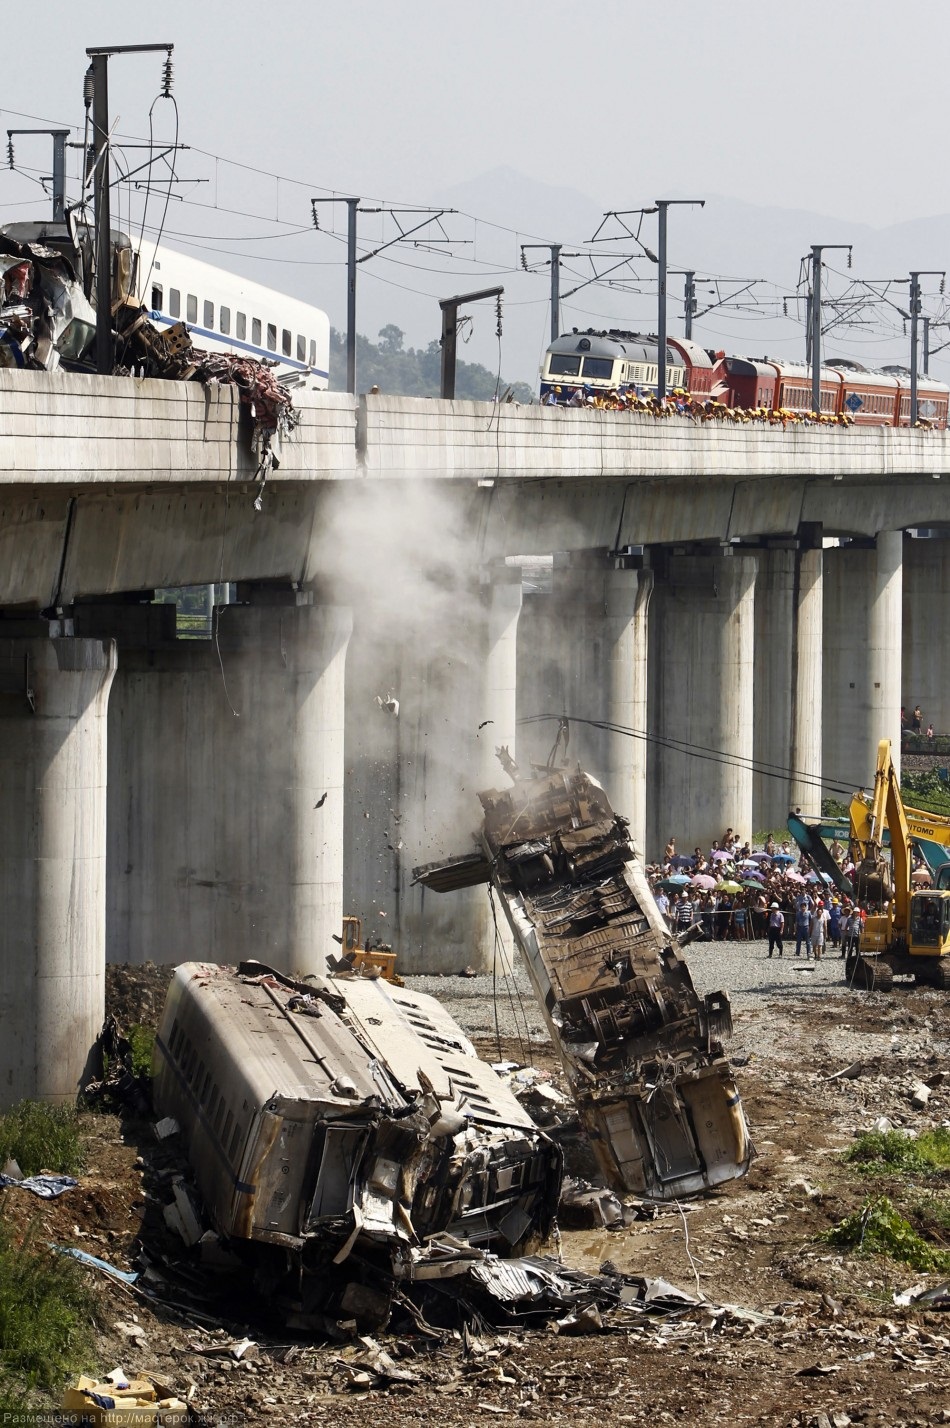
602, 367
563, 364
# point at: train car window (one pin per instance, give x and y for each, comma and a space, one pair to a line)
218, 1114
272, 337
226, 1131
174, 302
206, 1082
213, 1103
285, 342
602, 367
235, 1141
173, 1039
301, 348
256, 331
191, 308
564, 364
224, 317
240, 325
209, 314
156, 297
313, 353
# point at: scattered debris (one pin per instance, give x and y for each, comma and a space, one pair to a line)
125, 1275
166, 1127
48, 1187
919, 1095
116, 1394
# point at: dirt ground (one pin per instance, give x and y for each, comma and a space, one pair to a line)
826, 1346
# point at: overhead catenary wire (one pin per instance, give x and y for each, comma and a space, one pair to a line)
745, 762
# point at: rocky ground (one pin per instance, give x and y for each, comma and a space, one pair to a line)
825, 1344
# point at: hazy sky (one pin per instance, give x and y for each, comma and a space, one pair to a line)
833, 106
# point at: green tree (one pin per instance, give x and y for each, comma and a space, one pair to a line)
391, 339
413, 372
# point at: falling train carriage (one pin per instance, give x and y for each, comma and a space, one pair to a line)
616, 360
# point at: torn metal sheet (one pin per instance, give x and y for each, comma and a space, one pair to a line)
641, 1050
344, 1120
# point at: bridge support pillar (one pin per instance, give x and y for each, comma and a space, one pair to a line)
226, 788
701, 693
54, 696
926, 674
788, 660
430, 696
627, 619
805, 783
862, 658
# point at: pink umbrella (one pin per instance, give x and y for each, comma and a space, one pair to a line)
703, 880
794, 877
721, 856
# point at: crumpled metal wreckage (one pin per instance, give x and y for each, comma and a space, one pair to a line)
47, 321
334, 1126
642, 1052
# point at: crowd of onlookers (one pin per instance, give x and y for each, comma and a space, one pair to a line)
683, 403
737, 893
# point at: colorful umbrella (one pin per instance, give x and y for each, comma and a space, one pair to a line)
729, 887
793, 877
756, 887
784, 858
681, 861
760, 857
721, 856
672, 884
703, 880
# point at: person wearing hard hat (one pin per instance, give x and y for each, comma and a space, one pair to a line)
776, 928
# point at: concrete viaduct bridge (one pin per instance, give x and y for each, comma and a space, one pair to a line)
163, 799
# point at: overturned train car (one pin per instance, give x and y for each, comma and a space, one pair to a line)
344, 1121
641, 1050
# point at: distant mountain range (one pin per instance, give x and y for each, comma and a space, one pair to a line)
727, 238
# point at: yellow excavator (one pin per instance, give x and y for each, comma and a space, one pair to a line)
909, 934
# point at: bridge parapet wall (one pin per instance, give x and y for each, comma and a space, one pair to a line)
60, 428
412, 436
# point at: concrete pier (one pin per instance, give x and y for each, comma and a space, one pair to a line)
701, 677
226, 789
627, 647
926, 600
862, 658
54, 695
805, 783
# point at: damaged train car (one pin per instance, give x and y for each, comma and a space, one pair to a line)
344, 1121
641, 1050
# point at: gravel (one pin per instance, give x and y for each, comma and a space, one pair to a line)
773, 1000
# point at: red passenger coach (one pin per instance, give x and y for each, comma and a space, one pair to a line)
743, 382
698, 364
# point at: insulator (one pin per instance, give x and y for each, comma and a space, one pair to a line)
168, 74
849, 257
943, 284
498, 316
88, 87
315, 216
10, 153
